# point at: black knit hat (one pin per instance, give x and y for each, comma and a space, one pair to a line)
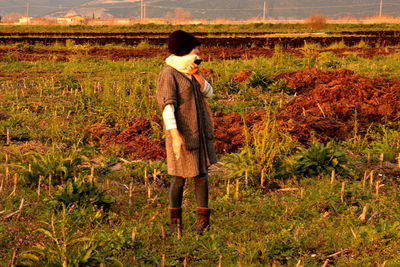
181, 43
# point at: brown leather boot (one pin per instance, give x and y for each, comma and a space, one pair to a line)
203, 219
176, 220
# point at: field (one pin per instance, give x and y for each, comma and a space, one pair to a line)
307, 133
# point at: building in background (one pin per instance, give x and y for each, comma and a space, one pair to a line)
71, 18
25, 20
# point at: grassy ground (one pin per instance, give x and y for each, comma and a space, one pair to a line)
350, 221
252, 27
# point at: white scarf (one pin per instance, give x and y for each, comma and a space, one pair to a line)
181, 64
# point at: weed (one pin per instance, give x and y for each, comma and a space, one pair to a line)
66, 246
143, 45
311, 46
281, 85
55, 163
80, 192
259, 80
231, 87
329, 60
337, 45
321, 159
263, 153
69, 82
362, 44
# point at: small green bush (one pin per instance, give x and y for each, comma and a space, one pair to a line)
69, 82
55, 163
329, 60
282, 85
259, 80
263, 154
81, 193
231, 87
321, 159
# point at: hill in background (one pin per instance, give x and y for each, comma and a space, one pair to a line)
204, 9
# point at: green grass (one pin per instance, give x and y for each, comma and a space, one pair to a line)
307, 224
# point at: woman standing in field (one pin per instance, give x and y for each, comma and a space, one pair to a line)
181, 89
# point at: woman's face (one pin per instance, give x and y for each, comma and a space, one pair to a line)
195, 51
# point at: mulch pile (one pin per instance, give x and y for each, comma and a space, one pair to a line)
329, 103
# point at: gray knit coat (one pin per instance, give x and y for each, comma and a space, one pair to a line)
193, 119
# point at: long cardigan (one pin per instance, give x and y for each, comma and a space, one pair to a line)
193, 119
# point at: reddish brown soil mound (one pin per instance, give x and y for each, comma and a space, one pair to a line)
330, 102
327, 105
229, 129
134, 141
242, 76
208, 73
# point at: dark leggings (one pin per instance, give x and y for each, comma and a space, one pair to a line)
200, 190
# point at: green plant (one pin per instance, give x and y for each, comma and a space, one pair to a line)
231, 87
337, 45
321, 159
362, 44
281, 85
263, 153
311, 46
329, 60
385, 140
259, 80
80, 192
60, 165
138, 169
69, 82
310, 57
67, 247
143, 45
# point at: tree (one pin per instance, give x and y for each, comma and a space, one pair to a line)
12, 17
178, 15
316, 22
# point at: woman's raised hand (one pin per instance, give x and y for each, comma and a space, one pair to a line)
193, 69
